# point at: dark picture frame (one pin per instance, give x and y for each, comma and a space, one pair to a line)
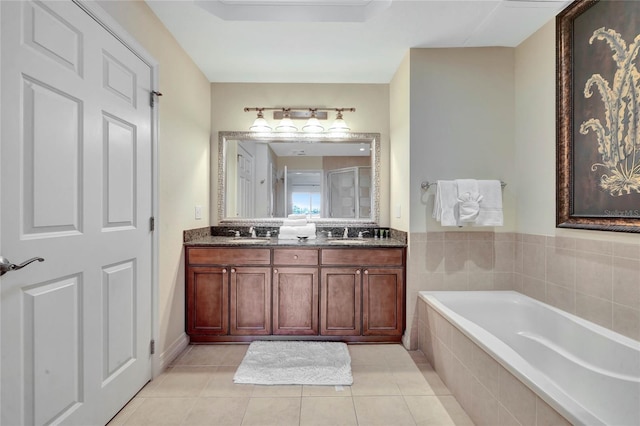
598, 116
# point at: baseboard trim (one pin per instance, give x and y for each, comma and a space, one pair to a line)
406, 341
172, 352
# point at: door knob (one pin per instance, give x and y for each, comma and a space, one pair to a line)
7, 266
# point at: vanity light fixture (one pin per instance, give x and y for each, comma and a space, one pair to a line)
313, 125
339, 125
288, 114
286, 124
260, 124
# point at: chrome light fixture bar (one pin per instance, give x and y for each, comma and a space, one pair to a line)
286, 115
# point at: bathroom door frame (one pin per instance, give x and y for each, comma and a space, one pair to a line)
93, 9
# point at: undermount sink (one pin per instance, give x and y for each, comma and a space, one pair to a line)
347, 242
250, 240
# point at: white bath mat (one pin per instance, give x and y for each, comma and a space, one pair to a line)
295, 363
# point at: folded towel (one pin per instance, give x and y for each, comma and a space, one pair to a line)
293, 232
468, 207
294, 222
490, 213
445, 203
295, 237
468, 200
297, 216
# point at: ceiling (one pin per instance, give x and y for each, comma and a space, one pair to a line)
337, 41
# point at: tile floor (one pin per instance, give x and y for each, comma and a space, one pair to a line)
391, 386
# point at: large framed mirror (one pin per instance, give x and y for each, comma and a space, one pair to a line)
332, 179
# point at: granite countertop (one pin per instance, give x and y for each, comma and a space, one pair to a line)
275, 242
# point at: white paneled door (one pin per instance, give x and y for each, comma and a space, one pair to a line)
76, 190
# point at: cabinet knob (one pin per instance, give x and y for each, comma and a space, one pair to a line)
295, 256
366, 272
224, 270
357, 271
233, 270
275, 271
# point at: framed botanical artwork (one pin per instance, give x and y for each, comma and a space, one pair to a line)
598, 115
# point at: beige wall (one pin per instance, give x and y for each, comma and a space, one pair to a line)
536, 132
184, 119
371, 102
462, 124
400, 145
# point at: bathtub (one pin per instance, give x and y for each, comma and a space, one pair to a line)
586, 373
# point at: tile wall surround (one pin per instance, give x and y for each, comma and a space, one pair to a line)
593, 279
456, 260
489, 393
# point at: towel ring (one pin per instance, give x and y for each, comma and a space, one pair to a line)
426, 185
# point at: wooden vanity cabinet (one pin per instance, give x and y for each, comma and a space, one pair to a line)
365, 298
250, 301
295, 292
207, 300
341, 302
382, 301
349, 294
228, 292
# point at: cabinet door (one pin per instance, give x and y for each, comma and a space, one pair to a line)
295, 301
207, 300
382, 301
340, 302
250, 301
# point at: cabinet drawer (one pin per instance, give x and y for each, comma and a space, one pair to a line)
359, 257
228, 256
295, 257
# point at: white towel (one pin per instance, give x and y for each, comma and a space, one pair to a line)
293, 232
468, 200
491, 206
445, 203
297, 216
468, 207
295, 237
294, 222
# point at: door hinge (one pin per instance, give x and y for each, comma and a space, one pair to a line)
152, 97
152, 223
152, 347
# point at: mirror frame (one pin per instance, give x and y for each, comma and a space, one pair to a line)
372, 138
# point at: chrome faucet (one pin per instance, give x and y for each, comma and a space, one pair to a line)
236, 233
361, 234
346, 233
252, 231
